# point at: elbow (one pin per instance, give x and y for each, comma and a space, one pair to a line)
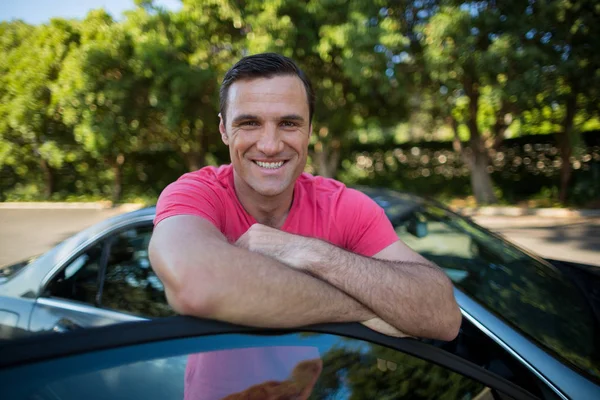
452, 316
190, 298
445, 314
451, 325
185, 295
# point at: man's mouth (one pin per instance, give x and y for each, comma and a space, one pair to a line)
270, 165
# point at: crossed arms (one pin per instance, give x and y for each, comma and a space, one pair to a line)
270, 278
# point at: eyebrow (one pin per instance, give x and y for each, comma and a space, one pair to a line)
244, 117
293, 117
252, 117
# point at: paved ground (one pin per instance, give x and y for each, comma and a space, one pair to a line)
25, 233
571, 239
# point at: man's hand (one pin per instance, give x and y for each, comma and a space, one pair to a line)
295, 251
379, 325
291, 250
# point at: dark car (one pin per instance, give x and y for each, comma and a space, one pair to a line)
530, 321
157, 360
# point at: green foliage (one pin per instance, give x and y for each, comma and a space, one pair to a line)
101, 108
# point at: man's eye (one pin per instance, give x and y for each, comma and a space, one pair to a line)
249, 123
288, 124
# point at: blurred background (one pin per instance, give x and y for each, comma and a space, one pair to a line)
487, 102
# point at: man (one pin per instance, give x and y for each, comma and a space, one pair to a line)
261, 243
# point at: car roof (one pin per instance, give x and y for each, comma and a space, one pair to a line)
21, 283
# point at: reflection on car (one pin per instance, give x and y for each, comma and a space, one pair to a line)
537, 316
155, 360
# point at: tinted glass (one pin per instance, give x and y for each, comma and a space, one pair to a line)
532, 296
294, 366
130, 284
79, 279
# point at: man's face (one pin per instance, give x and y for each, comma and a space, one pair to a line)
267, 131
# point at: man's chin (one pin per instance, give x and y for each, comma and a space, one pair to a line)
267, 191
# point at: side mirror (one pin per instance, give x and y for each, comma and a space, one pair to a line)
417, 228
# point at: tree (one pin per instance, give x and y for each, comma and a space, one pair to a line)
471, 46
184, 55
30, 128
101, 95
349, 51
566, 31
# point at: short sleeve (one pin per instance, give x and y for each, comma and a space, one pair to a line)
367, 229
190, 195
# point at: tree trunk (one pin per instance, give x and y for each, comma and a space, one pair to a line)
327, 158
565, 143
194, 160
48, 178
456, 143
481, 182
117, 167
503, 120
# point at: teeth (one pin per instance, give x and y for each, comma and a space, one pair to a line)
269, 165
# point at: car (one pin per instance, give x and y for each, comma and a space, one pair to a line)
530, 321
155, 360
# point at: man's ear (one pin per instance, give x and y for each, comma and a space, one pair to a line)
223, 131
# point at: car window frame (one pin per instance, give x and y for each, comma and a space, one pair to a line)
109, 242
40, 349
103, 237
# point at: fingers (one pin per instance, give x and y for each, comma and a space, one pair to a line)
379, 325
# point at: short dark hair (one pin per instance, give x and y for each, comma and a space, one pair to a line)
265, 65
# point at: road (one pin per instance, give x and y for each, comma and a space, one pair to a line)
25, 233
570, 239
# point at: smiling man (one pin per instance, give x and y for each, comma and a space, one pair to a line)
259, 242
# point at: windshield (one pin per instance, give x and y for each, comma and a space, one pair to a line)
531, 295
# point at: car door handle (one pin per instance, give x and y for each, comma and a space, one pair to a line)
65, 325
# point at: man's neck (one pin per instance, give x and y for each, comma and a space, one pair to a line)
267, 210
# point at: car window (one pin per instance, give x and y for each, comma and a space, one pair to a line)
130, 284
79, 279
239, 366
533, 297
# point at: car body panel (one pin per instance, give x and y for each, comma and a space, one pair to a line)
52, 314
15, 312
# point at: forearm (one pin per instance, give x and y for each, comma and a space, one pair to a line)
414, 297
239, 286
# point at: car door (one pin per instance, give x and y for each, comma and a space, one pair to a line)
110, 281
191, 358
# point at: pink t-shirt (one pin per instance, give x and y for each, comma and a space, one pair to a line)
322, 208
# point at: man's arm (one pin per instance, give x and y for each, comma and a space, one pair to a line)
205, 276
401, 287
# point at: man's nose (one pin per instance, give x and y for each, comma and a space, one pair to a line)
270, 141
